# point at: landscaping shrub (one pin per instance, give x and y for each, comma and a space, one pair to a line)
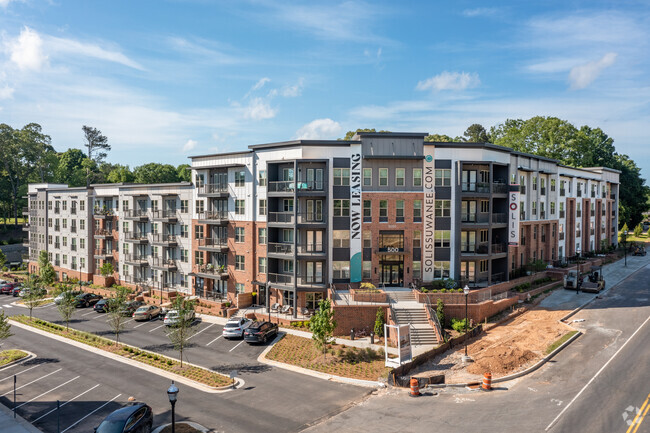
458, 325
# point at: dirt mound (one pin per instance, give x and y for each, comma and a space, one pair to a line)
501, 360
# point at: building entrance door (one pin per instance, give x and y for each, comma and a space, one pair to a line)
392, 274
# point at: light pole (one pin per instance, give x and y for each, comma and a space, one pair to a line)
625, 246
466, 358
172, 393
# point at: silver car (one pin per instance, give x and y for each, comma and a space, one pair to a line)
235, 327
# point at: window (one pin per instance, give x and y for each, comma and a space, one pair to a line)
200, 179
440, 270
552, 208
287, 235
483, 266
184, 230
198, 232
239, 235
443, 177
200, 206
261, 265
240, 178
417, 211
240, 263
262, 206
82, 243
49, 239
417, 270
261, 178
383, 177
367, 239
154, 205
154, 228
417, 239
342, 208
82, 205
65, 241
261, 236
287, 174
417, 177
483, 235
367, 210
65, 223
65, 202
400, 174
341, 270
485, 206
552, 184
443, 208
240, 207
383, 210
240, 288
367, 177
287, 205
185, 206
399, 211
341, 238
341, 176
534, 183
184, 255
49, 222
312, 300
366, 270
534, 232
442, 238
534, 208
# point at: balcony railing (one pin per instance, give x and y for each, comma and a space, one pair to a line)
57, 245
165, 214
499, 248
479, 187
212, 269
311, 218
213, 242
280, 278
73, 247
100, 212
542, 215
103, 252
311, 185
160, 262
140, 259
279, 248
561, 236
499, 188
474, 248
135, 213
311, 281
522, 189
104, 232
499, 218
135, 236
57, 210
280, 217
578, 213
612, 196
579, 193
542, 190
163, 238
593, 194
215, 215
57, 227
282, 186
73, 229
212, 188
26, 226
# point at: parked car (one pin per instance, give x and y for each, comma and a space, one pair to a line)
137, 418
7, 288
235, 327
146, 312
172, 317
24, 291
16, 290
130, 307
87, 299
101, 306
260, 332
72, 294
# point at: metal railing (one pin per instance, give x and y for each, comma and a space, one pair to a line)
311, 280
282, 186
135, 213
57, 227
562, 192
542, 215
311, 248
279, 248
499, 218
136, 236
213, 188
169, 213
73, 211
102, 212
104, 232
73, 247
164, 238
499, 248
163, 263
102, 252
213, 242
311, 217
212, 269
214, 215
561, 214
522, 189
73, 229
280, 217
542, 190
579, 193
480, 187
57, 210
499, 188
280, 278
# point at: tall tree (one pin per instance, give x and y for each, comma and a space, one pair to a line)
15, 170
120, 174
476, 133
45, 269
70, 169
5, 326
181, 331
116, 305
97, 145
155, 173
38, 152
439, 138
184, 173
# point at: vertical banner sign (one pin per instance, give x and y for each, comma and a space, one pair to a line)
429, 216
355, 214
513, 219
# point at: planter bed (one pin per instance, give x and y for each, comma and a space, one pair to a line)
197, 374
9, 356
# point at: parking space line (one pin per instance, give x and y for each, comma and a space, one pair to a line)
63, 404
238, 344
214, 340
204, 329
88, 313
110, 401
20, 372
29, 383
143, 323
47, 392
157, 327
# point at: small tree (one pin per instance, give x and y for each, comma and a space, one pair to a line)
624, 228
379, 322
322, 325
638, 230
106, 269
5, 326
182, 330
33, 295
45, 269
3, 259
440, 312
66, 308
115, 307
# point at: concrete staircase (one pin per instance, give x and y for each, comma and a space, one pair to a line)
409, 311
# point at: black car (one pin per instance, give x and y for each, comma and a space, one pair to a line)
86, 300
101, 306
130, 307
260, 332
137, 418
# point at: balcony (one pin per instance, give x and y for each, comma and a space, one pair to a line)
311, 188
103, 213
212, 271
213, 217
136, 214
276, 248
593, 212
282, 279
213, 244
73, 211
542, 215
169, 215
499, 188
562, 192
579, 193
137, 237
57, 210
165, 264
73, 247
499, 248
561, 236
561, 214
103, 233
522, 216
25, 210
57, 245
499, 218
542, 190
481, 248
26, 227
311, 281
475, 187
213, 190
474, 218
26, 242
102, 253
164, 239
136, 259
311, 218
280, 218
313, 249
612, 196
282, 187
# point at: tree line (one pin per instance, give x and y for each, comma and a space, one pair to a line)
558, 139
27, 156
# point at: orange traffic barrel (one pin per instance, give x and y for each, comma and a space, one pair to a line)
487, 381
415, 387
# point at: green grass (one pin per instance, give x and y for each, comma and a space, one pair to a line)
7, 356
631, 238
11, 220
560, 341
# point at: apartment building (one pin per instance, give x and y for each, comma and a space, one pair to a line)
287, 220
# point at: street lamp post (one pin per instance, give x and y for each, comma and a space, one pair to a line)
625, 246
172, 393
466, 358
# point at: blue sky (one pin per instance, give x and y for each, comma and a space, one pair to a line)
168, 79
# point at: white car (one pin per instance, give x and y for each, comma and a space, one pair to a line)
172, 317
235, 327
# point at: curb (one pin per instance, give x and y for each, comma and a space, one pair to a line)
29, 356
176, 377
190, 423
313, 373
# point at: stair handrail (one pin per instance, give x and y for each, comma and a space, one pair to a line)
434, 321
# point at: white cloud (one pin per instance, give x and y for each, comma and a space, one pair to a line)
6, 92
77, 48
319, 129
259, 109
476, 12
26, 51
5, 3
189, 145
583, 75
450, 81
260, 83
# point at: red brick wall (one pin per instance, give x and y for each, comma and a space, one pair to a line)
355, 316
478, 312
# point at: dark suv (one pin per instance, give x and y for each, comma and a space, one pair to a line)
260, 332
87, 299
137, 418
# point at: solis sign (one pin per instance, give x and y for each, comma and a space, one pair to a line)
513, 220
